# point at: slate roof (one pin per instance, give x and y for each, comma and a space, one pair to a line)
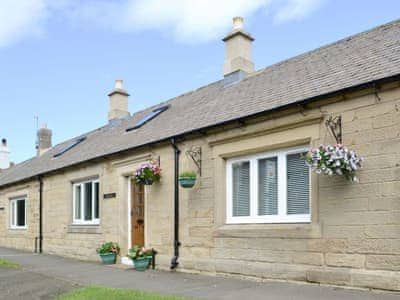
363, 58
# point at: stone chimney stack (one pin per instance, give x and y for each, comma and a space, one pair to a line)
43, 140
4, 155
118, 102
238, 50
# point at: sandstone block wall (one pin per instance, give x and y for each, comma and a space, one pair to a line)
353, 238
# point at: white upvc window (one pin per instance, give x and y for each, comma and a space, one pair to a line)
270, 187
86, 207
18, 213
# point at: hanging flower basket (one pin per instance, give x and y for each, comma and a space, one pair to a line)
187, 179
334, 160
147, 173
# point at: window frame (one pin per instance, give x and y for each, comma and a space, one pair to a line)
13, 213
82, 221
282, 216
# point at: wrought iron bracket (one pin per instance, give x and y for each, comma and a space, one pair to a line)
334, 125
195, 154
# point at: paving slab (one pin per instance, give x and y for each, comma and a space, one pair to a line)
43, 276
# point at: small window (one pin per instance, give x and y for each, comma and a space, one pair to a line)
86, 202
154, 113
69, 146
272, 187
18, 213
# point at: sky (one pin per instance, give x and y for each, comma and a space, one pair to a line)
59, 59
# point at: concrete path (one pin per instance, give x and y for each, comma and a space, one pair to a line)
44, 276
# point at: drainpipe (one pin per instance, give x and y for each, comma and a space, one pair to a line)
40, 213
174, 260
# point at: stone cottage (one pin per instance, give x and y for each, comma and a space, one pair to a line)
256, 209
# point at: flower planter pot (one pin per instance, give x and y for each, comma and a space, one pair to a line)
141, 263
148, 182
187, 182
108, 258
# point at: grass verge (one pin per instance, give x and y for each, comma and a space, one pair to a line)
98, 293
8, 264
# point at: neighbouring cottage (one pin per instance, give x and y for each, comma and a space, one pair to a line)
256, 209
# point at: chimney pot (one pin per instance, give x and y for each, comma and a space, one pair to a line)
238, 23
118, 83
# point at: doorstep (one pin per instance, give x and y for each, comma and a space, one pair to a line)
126, 261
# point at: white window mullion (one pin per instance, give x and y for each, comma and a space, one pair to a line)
253, 188
282, 185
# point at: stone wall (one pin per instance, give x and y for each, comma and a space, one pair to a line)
20, 238
353, 238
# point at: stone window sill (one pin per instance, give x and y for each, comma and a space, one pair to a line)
87, 229
269, 231
18, 229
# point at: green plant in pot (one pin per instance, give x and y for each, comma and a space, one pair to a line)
141, 257
187, 179
108, 252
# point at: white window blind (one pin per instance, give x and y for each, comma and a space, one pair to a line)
298, 191
241, 189
268, 186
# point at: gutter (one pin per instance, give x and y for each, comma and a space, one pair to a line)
174, 260
371, 84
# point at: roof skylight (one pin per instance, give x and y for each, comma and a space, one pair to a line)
70, 146
147, 118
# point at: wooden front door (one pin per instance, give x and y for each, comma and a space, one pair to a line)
137, 214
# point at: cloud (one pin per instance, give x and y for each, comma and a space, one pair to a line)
23, 18
20, 18
297, 10
189, 21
